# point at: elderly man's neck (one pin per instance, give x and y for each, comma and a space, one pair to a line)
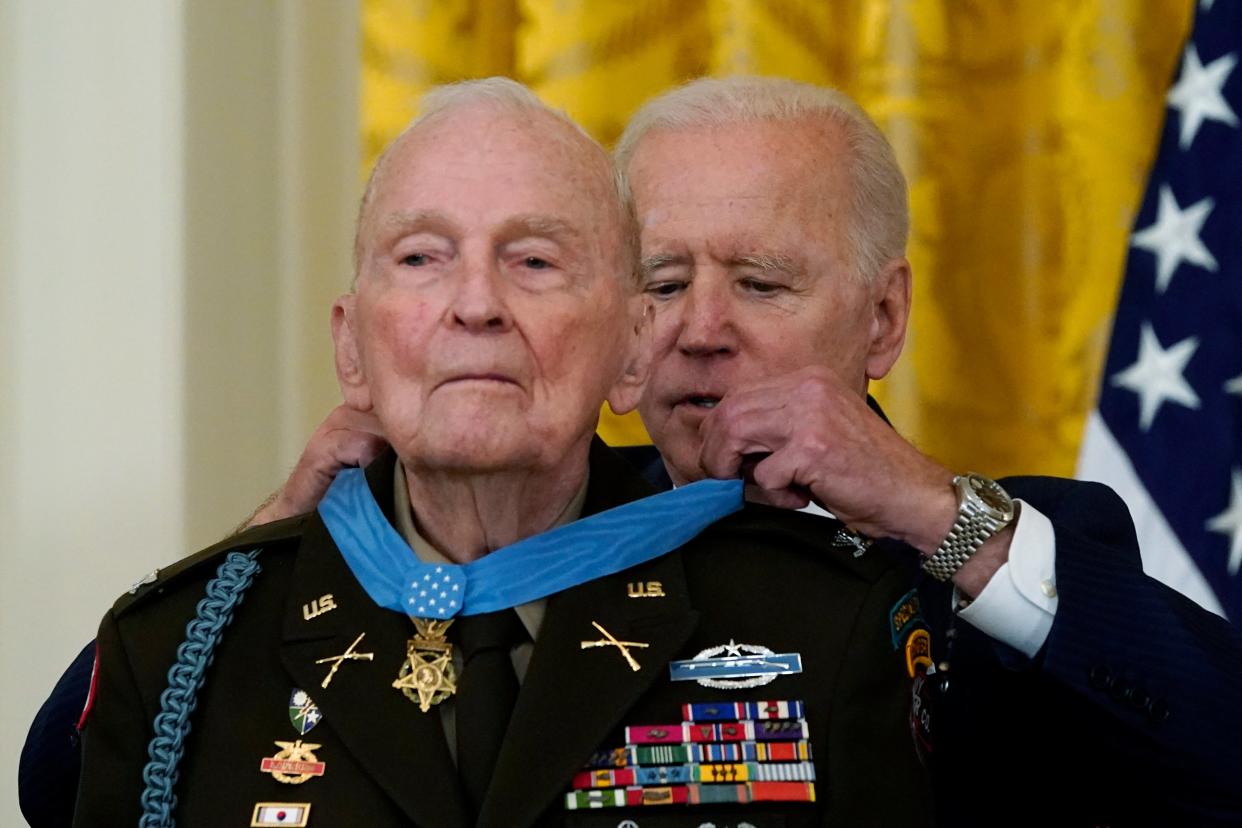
467, 515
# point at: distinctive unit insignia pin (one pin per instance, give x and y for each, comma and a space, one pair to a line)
427, 676
295, 763
303, 713
609, 640
348, 655
735, 666
851, 539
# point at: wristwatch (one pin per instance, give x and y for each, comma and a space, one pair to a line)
983, 509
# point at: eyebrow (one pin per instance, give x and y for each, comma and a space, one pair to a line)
525, 224
765, 262
769, 263
653, 263
539, 224
403, 221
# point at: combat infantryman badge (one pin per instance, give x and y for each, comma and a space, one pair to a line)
295, 814
295, 763
735, 666
427, 677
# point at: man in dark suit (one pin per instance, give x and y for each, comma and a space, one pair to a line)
495, 308
773, 227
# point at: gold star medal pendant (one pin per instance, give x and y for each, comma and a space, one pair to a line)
427, 676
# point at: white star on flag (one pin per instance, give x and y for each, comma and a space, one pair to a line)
1157, 375
1206, 5
1174, 237
1234, 386
1229, 522
1198, 95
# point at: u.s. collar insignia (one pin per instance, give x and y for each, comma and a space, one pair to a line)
735, 666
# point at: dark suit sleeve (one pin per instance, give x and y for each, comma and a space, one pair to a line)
881, 775
114, 739
1168, 670
47, 778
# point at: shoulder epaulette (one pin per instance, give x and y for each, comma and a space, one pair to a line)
159, 580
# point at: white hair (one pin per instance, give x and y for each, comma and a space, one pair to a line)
879, 220
515, 99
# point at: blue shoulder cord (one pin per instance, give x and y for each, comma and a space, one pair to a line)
185, 678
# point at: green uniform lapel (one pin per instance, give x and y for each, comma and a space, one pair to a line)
402, 748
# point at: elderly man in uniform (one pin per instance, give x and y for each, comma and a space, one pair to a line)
501, 674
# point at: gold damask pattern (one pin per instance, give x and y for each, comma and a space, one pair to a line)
1026, 129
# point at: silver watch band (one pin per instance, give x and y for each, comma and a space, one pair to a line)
975, 523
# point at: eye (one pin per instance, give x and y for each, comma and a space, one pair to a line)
665, 289
760, 287
536, 263
416, 260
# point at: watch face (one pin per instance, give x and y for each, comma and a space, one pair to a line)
990, 493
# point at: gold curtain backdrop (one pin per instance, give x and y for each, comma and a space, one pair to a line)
1026, 129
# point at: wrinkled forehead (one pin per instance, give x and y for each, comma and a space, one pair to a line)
527, 161
805, 156
751, 186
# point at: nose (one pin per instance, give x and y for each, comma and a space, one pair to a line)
707, 327
479, 304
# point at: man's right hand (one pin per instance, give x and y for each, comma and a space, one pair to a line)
347, 437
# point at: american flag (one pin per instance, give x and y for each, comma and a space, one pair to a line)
1167, 434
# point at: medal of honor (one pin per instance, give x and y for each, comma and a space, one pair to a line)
427, 677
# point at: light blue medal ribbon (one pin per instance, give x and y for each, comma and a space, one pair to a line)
530, 569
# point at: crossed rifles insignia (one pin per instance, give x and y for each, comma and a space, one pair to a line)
609, 640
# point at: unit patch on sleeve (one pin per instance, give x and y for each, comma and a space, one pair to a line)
904, 615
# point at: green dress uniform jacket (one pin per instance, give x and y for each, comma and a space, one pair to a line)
760, 577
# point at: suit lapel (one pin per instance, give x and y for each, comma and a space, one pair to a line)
573, 697
401, 748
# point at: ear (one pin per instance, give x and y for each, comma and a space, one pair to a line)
349, 371
624, 395
890, 308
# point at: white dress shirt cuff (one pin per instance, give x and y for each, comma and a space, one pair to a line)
1018, 604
